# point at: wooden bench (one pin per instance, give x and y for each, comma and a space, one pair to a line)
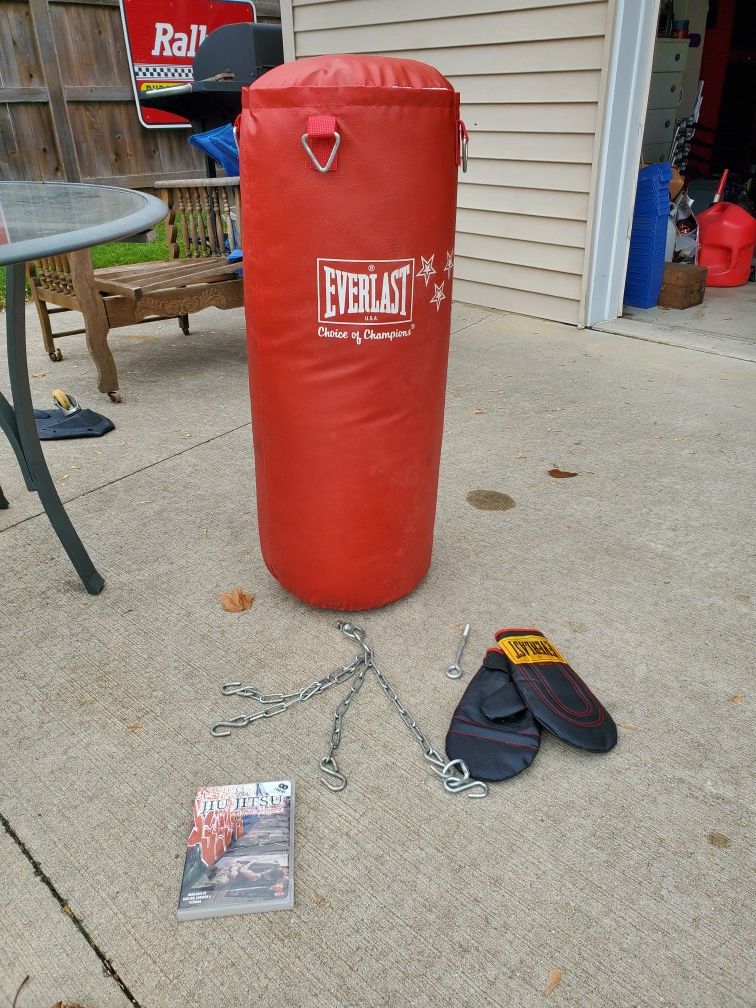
203, 225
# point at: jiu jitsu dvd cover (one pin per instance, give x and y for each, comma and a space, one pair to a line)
240, 851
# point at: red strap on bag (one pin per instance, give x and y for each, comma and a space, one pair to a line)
321, 141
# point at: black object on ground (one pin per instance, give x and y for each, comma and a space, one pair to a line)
492, 730
59, 424
557, 696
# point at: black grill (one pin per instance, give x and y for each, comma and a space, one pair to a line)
229, 59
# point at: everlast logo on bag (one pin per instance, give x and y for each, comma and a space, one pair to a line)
362, 292
529, 648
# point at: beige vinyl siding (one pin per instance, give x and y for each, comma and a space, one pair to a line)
530, 76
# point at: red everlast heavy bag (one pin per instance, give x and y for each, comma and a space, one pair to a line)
348, 179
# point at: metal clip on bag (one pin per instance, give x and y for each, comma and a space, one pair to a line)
552, 690
348, 180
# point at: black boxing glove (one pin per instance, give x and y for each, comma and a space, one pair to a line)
492, 730
554, 693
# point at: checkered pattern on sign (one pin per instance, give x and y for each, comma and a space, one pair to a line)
151, 71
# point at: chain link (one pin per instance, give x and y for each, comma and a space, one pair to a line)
454, 773
328, 764
453, 781
277, 703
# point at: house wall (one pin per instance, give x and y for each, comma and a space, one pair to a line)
531, 77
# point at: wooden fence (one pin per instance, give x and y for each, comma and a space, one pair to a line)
67, 107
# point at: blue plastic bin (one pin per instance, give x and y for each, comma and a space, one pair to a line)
645, 265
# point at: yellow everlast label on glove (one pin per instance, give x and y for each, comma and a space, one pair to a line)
527, 649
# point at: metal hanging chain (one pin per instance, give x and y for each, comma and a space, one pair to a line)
454, 773
328, 764
317, 686
277, 703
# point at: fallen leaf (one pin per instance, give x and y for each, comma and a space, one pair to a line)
133, 727
737, 697
561, 473
629, 726
68, 1004
38, 374
320, 901
555, 978
236, 600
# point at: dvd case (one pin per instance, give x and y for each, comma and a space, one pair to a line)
240, 851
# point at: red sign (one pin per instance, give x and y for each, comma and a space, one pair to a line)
163, 39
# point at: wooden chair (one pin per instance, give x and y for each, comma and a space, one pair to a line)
203, 225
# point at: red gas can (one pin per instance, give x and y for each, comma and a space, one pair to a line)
727, 236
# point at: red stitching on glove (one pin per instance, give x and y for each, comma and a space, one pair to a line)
561, 709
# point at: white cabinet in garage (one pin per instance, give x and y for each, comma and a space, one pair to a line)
665, 95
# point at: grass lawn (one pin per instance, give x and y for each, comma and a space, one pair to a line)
116, 254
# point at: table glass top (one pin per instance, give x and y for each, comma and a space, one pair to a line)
46, 218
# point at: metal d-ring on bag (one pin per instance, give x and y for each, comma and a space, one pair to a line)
454, 774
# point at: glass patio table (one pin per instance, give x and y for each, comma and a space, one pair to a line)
46, 219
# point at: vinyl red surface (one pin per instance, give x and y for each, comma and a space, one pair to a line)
348, 279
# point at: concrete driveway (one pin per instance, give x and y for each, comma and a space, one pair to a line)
629, 873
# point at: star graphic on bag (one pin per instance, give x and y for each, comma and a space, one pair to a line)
449, 263
427, 271
439, 296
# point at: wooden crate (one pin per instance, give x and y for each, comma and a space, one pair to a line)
683, 285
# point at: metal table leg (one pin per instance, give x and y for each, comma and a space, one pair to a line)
20, 427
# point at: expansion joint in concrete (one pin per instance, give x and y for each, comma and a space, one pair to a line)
40, 873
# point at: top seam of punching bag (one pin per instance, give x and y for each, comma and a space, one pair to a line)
362, 97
